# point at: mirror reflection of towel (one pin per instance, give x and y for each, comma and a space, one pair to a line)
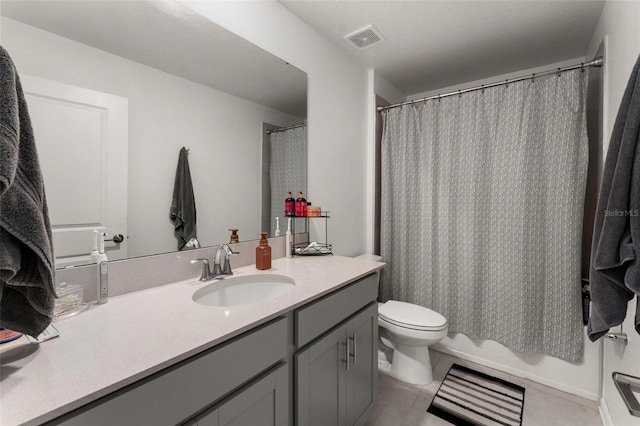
615, 253
183, 204
27, 293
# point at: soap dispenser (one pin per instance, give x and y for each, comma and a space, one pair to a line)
263, 253
234, 236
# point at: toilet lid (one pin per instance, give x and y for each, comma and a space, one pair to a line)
411, 316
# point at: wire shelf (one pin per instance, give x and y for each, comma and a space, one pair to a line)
313, 249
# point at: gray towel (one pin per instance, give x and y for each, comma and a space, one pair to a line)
183, 204
615, 254
26, 250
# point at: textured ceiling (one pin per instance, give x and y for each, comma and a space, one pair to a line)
435, 44
170, 37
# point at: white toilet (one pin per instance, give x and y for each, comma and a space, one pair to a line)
407, 330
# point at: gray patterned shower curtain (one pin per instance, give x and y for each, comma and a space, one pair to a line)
288, 170
482, 204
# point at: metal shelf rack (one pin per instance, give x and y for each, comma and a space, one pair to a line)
304, 249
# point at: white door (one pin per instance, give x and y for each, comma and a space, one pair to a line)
625, 359
82, 142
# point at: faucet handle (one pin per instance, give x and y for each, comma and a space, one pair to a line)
217, 270
206, 273
226, 269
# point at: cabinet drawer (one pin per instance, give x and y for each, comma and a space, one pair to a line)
180, 391
318, 317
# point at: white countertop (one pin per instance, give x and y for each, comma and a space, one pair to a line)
135, 335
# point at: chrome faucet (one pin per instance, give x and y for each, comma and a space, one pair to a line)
226, 268
218, 269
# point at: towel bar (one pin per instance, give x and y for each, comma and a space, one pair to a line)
627, 385
618, 337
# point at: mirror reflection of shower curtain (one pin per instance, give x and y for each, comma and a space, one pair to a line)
288, 172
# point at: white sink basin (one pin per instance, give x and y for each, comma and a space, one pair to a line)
243, 290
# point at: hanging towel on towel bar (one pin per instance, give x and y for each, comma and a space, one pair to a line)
27, 293
615, 253
183, 204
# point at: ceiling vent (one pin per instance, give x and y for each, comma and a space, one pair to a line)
365, 37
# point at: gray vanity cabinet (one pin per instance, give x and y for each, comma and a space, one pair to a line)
362, 376
321, 381
331, 342
336, 374
183, 390
265, 402
336, 377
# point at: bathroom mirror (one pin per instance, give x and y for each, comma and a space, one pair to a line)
183, 81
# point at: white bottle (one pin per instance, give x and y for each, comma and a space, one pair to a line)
288, 240
277, 232
102, 272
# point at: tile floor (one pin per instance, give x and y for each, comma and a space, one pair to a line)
401, 404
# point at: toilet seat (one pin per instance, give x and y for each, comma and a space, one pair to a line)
410, 316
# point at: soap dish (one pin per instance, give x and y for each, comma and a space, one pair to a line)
70, 301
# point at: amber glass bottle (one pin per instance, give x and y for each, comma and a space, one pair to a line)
263, 253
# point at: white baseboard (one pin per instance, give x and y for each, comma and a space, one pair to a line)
605, 414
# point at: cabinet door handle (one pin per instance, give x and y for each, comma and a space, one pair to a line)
355, 348
346, 343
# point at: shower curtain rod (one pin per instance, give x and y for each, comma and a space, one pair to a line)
597, 62
282, 129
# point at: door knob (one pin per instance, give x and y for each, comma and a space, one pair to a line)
117, 238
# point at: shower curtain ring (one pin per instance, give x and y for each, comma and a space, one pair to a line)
558, 73
482, 90
533, 77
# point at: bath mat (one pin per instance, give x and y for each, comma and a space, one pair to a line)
469, 397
